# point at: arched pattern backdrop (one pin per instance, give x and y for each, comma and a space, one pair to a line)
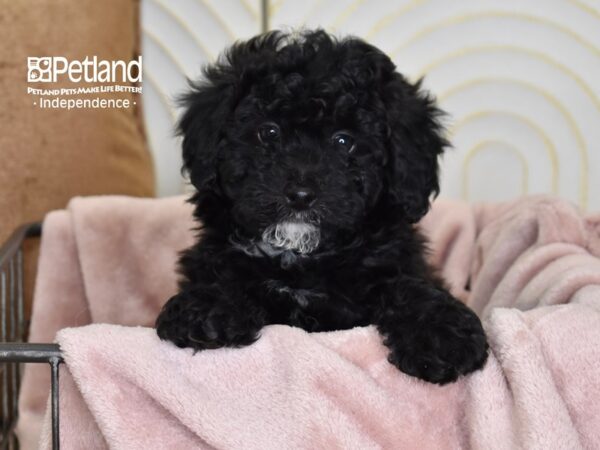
178, 38
519, 79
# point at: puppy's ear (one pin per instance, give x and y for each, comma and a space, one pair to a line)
210, 103
415, 142
208, 107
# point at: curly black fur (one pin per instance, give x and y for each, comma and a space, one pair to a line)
369, 266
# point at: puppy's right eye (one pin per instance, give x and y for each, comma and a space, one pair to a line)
269, 133
343, 141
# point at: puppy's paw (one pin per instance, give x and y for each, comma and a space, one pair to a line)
441, 350
223, 327
201, 325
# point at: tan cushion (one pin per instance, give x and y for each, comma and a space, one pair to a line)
48, 156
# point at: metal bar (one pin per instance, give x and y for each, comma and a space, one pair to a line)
35, 353
25, 352
11, 393
3, 306
4, 367
54, 363
13, 244
15, 441
12, 328
264, 17
20, 332
20, 296
12, 295
14, 395
33, 229
12, 300
3, 418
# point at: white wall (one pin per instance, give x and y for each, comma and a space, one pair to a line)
520, 79
178, 37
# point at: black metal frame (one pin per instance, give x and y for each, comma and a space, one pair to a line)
13, 350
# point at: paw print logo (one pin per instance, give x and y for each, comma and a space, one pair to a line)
39, 69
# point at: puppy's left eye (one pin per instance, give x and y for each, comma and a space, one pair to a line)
268, 133
343, 141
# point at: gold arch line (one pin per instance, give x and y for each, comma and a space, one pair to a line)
213, 12
346, 13
274, 8
310, 11
548, 144
165, 50
590, 94
185, 28
447, 22
339, 20
533, 53
250, 9
583, 187
481, 147
163, 98
586, 8
386, 21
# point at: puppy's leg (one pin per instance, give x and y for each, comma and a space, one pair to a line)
202, 320
430, 334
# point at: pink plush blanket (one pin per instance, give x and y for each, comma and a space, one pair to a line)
530, 268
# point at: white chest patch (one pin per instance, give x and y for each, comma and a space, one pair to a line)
299, 236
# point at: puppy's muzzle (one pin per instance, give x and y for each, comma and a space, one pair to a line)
297, 236
300, 197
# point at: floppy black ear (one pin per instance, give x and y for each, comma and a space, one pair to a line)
416, 140
210, 103
208, 107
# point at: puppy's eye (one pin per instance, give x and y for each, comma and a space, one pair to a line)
343, 141
268, 133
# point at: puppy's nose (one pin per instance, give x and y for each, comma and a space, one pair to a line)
300, 197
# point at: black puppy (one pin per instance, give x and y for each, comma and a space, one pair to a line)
313, 160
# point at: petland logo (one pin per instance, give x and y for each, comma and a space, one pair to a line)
49, 69
102, 84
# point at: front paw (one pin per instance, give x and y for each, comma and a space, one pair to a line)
440, 349
197, 324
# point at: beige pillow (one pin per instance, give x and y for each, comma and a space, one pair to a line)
48, 156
